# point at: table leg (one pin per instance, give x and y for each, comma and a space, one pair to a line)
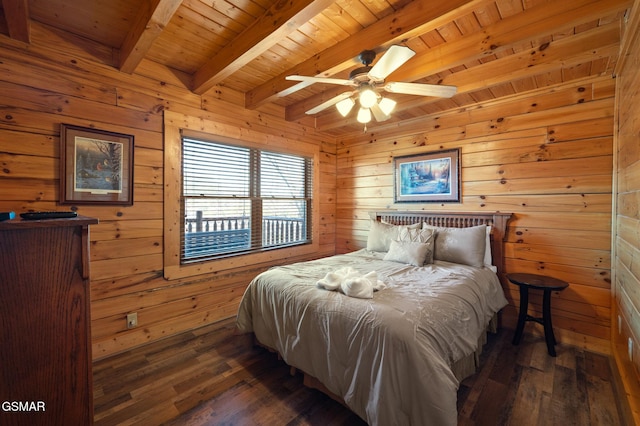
522, 316
546, 320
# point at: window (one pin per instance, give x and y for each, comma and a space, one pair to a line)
237, 188
238, 200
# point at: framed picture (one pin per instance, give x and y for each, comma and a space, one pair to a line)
432, 177
96, 166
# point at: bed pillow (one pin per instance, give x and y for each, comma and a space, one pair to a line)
488, 260
381, 234
426, 236
460, 245
410, 252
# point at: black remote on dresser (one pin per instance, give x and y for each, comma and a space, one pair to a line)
48, 215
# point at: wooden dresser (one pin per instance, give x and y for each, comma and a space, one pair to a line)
45, 339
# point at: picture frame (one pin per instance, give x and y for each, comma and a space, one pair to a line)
96, 166
431, 177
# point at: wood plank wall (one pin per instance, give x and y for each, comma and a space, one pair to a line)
55, 80
626, 293
545, 156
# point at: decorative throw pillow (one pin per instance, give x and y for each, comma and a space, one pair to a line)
426, 236
381, 234
410, 252
460, 245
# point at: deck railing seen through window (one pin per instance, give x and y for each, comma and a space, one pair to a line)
205, 236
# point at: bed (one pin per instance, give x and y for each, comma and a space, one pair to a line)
392, 329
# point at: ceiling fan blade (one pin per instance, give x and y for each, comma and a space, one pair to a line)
378, 114
294, 88
304, 78
329, 103
421, 89
393, 58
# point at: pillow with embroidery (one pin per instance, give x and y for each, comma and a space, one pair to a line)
426, 236
410, 252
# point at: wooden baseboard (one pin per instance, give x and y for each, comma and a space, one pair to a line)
627, 382
626, 412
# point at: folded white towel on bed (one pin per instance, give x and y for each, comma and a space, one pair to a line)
351, 282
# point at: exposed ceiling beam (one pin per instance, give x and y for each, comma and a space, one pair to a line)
588, 46
535, 23
408, 22
149, 24
597, 43
280, 20
16, 13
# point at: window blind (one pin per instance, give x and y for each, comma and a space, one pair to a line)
239, 200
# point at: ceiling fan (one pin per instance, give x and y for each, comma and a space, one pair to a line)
368, 80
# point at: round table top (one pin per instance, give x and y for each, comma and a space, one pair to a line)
537, 281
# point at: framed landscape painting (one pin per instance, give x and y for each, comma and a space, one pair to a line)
96, 166
432, 177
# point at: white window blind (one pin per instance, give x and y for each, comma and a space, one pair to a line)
238, 200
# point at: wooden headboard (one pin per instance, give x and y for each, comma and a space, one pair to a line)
497, 220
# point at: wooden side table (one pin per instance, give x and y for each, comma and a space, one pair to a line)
538, 282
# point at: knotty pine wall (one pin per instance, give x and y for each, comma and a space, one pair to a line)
55, 80
626, 292
546, 157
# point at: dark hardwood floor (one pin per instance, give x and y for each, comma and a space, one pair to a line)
212, 376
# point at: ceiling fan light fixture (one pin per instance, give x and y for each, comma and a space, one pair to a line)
387, 105
368, 82
364, 115
344, 106
367, 97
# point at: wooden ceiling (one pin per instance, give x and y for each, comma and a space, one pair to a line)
487, 48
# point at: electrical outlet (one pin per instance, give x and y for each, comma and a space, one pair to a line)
630, 349
132, 320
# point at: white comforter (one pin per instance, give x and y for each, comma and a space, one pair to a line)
388, 357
